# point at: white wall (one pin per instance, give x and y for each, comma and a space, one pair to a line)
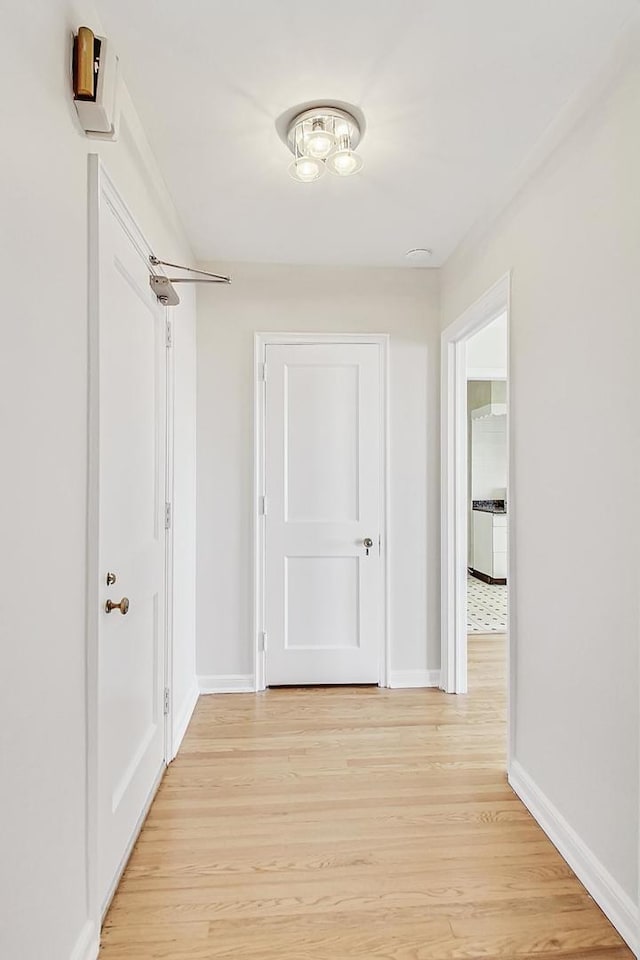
403, 303
43, 412
487, 351
572, 241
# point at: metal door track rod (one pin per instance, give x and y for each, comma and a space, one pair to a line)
163, 286
215, 277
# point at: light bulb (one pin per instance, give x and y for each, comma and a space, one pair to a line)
344, 163
319, 144
306, 169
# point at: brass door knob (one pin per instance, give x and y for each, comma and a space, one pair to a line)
123, 606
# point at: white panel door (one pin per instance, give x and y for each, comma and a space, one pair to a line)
323, 604
132, 545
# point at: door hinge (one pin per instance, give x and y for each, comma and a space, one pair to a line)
263, 506
167, 516
263, 642
169, 334
263, 372
167, 701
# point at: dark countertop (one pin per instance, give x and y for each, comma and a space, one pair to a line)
490, 506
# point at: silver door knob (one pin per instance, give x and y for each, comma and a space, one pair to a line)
123, 606
368, 543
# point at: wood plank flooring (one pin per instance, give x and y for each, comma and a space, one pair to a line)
351, 823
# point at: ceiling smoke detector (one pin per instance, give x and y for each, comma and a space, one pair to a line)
418, 256
324, 138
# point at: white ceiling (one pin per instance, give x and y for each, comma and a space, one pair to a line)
456, 94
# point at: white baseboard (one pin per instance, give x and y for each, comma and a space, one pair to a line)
227, 683
87, 944
182, 721
607, 892
404, 679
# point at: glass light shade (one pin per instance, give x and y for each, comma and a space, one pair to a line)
306, 169
319, 144
344, 162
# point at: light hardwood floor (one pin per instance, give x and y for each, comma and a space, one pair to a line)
350, 823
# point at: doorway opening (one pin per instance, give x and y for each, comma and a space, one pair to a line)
477, 582
487, 498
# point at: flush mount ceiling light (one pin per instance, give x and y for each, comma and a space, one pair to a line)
323, 138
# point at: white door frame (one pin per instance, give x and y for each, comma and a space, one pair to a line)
261, 341
101, 191
455, 493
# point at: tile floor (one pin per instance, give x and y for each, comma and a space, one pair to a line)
486, 607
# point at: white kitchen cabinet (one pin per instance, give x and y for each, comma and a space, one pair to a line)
483, 542
500, 566
490, 544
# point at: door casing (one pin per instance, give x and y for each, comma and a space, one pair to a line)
261, 341
101, 190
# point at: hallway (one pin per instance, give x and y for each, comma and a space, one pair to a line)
350, 823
